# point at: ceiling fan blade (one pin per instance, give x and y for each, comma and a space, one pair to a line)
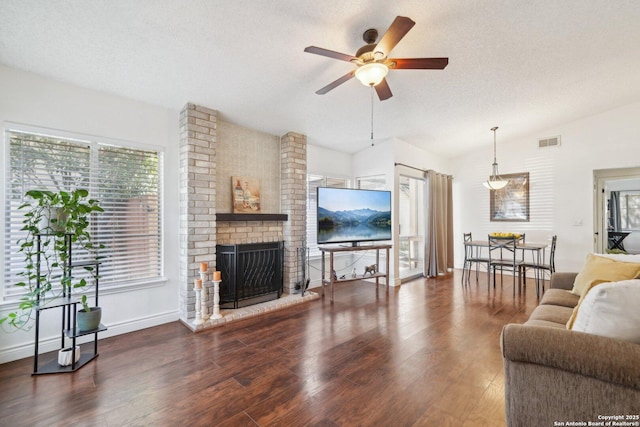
398, 29
419, 63
329, 53
336, 83
383, 90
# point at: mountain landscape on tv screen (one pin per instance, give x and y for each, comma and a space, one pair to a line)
353, 225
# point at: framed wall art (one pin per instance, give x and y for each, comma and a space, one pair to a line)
511, 203
246, 194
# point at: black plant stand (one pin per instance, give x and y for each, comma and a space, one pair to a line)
68, 306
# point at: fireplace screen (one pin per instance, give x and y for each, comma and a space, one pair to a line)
251, 273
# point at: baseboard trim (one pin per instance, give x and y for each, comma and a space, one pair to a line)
21, 351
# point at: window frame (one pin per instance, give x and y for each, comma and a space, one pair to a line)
372, 182
625, 194
95, 143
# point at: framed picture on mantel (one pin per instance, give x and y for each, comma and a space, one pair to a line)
245, 192
511, 203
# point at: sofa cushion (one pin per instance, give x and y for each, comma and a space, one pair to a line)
611, 310
552, 313
546, 323
559, 297
598, 269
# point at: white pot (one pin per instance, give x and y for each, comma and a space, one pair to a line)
54, 219
65, 356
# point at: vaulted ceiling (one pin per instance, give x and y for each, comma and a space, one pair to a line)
522, 65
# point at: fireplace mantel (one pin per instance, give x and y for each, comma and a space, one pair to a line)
251, 217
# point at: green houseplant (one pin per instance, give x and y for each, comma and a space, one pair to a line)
61, 219
88, 317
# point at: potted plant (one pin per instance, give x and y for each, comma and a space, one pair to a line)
65, 355
54, 221
88, 317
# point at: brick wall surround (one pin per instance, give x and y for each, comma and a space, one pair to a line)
197, 199
293, 191
240, 232
199, 231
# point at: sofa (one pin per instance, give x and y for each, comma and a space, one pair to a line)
554, 376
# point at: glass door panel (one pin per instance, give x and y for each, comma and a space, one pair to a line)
411, 219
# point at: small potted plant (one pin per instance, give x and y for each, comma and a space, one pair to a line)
53, 221
88, 317
65, 356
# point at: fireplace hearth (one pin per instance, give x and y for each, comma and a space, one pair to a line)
251, 273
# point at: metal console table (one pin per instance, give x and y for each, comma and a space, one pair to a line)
338, 249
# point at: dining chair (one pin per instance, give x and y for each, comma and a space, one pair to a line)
502, 256
521, 240
468, 252
472, 255
542, 268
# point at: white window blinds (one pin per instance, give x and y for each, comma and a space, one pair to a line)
377, 182
126, 182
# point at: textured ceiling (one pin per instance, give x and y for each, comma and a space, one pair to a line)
522, 65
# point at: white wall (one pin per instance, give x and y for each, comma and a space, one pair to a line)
37, 101
323, 161
413, 156
561, 181
376, 160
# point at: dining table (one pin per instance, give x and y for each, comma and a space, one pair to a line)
537, 251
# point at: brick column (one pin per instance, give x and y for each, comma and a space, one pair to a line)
293, 192
197, 199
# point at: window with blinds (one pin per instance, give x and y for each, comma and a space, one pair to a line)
376, 182
125, 180
313, 182
629, 210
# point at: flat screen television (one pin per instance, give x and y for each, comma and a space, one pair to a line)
348, 215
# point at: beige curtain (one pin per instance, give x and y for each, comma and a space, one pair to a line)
439, 224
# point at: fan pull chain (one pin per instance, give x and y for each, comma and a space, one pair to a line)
372, 90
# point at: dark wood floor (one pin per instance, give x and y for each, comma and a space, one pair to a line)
428, 354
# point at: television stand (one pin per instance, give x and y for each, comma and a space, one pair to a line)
331, 280
352, 245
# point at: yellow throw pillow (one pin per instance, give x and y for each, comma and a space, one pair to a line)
600, 269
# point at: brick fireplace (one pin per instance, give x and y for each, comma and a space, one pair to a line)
211, 151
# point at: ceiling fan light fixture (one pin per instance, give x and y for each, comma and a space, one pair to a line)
372, 60
372, 73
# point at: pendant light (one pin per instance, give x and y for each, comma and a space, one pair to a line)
495, 182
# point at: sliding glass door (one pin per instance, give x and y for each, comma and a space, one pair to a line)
411, 220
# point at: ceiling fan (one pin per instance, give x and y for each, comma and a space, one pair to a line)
373, 62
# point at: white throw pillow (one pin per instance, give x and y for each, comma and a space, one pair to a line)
611, 310
635, 258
